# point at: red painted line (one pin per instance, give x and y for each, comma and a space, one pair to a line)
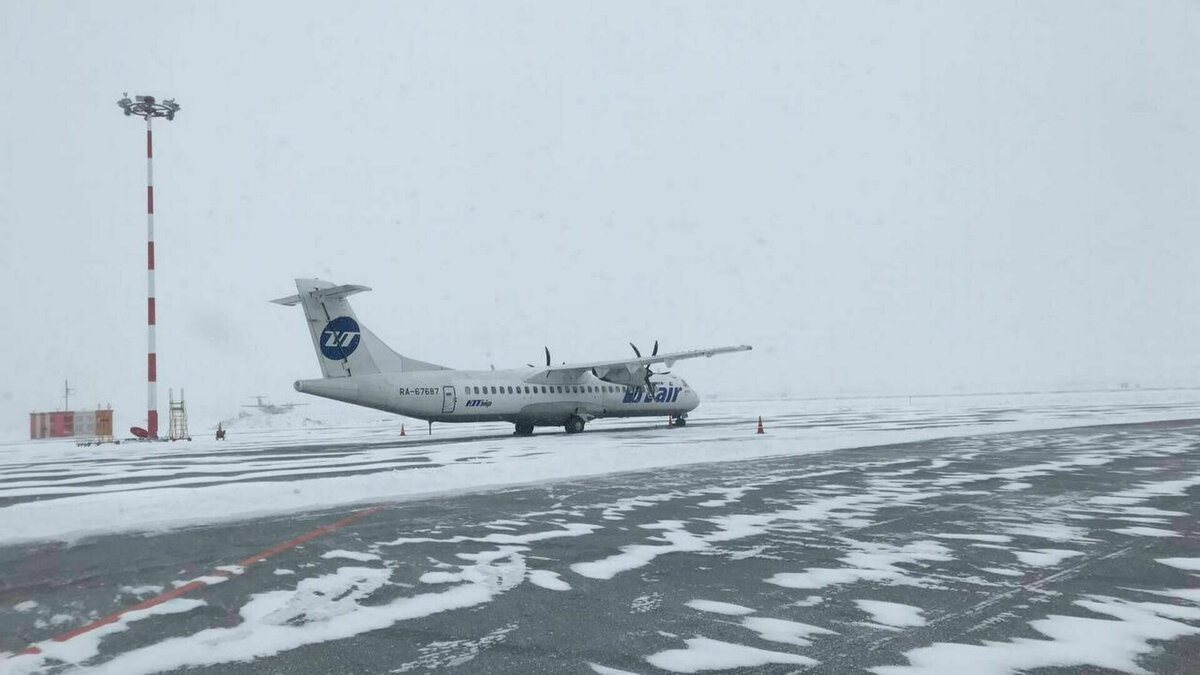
150, 254
193, 585
149, 145
278, 548
151, 367
150, 307
150, 199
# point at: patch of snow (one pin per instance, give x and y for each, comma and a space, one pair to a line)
567, 530
451, 653
787, 632
1014, 487
25, 606
605, 670
1045, 557
1072, 641
1050, 531
320, 609
86, 645
634, 556
548, 580
1004, 571
1190, 564
281, 572
708, 654
892, 613
349, 555
141, 590
1143, 531
993, 538
718, 607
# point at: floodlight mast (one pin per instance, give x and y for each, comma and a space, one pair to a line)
149, 108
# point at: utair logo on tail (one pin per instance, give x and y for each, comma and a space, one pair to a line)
340, 338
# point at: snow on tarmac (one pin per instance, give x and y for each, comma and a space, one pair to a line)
708, 654
1191, 564
717, 607
892, 613
318, 610
1045, 557
492, 557
1128, 631
56, 491
86, 645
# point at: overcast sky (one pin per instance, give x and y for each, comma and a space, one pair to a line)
882, 198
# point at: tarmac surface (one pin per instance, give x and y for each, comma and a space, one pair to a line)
1012, 552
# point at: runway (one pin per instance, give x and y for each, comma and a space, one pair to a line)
1073, 549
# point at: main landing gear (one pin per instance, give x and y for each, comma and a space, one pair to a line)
574, 424
524, 429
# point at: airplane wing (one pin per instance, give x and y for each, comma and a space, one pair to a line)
631, 372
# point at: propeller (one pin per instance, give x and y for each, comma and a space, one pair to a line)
547, 355
639, 352
649, 384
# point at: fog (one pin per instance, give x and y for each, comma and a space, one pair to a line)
882, 198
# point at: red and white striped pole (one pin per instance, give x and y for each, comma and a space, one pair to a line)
148, 107
152, 348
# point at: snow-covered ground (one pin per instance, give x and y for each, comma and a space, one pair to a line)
283, 463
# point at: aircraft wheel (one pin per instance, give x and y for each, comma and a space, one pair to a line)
574, 425
681, 421
524, 429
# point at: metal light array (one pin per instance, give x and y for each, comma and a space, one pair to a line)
148, 108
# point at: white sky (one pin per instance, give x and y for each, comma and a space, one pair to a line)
895, 197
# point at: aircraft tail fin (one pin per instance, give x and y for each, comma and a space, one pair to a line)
344, 346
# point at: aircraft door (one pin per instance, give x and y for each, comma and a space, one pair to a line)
448, 399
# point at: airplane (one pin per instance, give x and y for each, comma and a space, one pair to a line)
272, 408
359, 368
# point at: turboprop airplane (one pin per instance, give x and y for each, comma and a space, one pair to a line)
359, 368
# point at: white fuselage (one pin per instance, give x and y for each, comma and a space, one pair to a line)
503, 396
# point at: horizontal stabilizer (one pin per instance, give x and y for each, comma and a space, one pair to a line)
289, 301
337, 291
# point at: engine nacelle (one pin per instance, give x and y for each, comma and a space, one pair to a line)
623, 376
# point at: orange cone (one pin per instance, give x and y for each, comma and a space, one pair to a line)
760, 429
402, 430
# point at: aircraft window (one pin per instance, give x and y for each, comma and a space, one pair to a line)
543, 390
493, 390
476, 390
560, 389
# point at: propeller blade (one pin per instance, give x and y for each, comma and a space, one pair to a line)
636, 350
655, 352
547, 355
